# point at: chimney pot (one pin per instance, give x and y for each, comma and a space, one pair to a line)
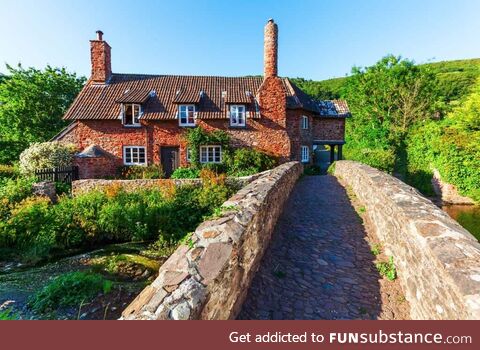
99, 35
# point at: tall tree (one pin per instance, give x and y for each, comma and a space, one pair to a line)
32, 103
385, 100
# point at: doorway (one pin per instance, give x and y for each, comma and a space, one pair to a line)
170, 159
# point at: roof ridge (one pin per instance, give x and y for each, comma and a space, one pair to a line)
190, 76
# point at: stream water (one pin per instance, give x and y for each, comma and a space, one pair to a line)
466, 215
18, 283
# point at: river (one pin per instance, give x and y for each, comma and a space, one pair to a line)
466, 215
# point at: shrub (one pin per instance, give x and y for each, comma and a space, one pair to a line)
186, 173
154, 171
28, 228
382, 159
248, 161
46, 155
214, 190
71, 289
7, 171
12, 191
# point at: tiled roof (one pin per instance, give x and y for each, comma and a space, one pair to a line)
211, 94
333, 108
135, 96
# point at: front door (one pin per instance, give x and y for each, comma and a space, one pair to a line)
170, 159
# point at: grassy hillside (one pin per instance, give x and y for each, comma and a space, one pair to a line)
455, 80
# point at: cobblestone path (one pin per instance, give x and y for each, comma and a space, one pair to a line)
318, 265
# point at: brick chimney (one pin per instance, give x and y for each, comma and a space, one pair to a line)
270, 55
100, 53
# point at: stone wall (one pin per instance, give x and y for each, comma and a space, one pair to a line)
86, 185
438, 261
209, 278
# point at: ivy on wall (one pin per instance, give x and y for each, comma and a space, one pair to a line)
198, 136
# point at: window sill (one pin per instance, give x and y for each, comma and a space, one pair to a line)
187, 126
132, 126
237, 126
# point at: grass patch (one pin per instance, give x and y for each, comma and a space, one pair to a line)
117, 264
70, 289
387, 269
376, 249
8, 315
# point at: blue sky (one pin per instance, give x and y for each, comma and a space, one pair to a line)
318, 39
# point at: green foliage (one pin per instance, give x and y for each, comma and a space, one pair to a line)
238, 162
198, 136
248, 161
8, 172
13, 191
376, 249
383, 159
71, 289
154, 171
331, 168
8, 315
387, 269
214, 191
38, 229
186, 173
32, 103
385, 100
46, 155
330, 89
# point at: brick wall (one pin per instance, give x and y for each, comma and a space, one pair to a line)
329, 128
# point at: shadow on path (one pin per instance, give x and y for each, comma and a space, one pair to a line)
318, 265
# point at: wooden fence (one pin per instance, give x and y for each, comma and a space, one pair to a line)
63, 174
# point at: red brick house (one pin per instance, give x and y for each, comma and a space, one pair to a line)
135, 119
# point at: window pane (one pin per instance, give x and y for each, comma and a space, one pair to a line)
141, 155
128, 119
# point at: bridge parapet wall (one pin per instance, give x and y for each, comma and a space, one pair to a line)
438, 261
209, 277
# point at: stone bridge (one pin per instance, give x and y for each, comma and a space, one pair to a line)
292, 247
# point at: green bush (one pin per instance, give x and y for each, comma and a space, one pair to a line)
13, 191
248, 161
154, 171
7, 171
37, 229
383, 159
71, 289
186, 173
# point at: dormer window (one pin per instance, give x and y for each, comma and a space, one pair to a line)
186, 115
131, 114
237, 115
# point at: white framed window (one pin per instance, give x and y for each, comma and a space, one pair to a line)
189, 155
210, 154
131, 114
237, 115
134, 155
186, 115
304, 122
305, 154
